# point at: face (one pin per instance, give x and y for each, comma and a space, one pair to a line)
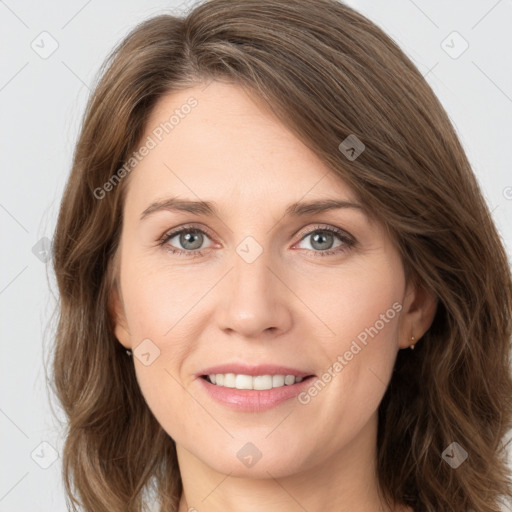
308, 307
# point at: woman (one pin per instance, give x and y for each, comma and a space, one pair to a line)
280, 285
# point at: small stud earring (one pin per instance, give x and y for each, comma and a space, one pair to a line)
412, 346
129, 352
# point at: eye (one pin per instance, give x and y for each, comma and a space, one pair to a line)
323, 240
189, 238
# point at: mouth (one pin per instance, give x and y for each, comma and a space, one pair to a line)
255, 382
247, 388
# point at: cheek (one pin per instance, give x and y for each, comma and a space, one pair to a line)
362, 301
361, 311
160, 315
159, 307
159, 299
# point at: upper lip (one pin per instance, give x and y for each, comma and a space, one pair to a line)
260, 369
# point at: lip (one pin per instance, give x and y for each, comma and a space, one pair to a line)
261, 369
252, 400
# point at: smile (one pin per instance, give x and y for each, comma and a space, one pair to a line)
257, 382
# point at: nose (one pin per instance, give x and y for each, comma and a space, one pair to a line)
255, 302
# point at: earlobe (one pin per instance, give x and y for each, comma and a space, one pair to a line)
118, 317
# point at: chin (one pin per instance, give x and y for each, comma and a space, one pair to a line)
257, 460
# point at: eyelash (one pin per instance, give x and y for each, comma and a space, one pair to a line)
347, 241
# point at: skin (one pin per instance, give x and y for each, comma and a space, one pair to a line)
290, 306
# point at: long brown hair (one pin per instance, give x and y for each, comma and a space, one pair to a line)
327, 72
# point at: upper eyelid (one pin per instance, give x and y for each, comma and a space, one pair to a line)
327, 227
171, 233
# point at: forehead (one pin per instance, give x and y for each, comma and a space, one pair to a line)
218, 141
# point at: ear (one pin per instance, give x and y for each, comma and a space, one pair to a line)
419, 309
118, 316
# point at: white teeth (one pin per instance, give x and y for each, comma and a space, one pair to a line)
261, 382
229, 380
258, 382
289, 379
277, 381
243, 382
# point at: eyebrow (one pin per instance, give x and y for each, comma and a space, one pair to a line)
208, 208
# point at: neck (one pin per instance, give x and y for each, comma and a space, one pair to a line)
346, 482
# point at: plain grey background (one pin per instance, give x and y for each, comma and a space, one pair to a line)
51, 53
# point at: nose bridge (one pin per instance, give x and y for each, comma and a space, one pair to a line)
251, 260
251, 270
253, 300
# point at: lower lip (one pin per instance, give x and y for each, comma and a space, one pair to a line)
252, 400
